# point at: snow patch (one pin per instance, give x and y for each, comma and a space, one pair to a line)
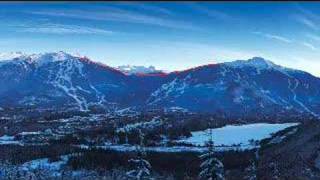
146, 125
176, 109
5, 140
44, 163
176, 87
29, 133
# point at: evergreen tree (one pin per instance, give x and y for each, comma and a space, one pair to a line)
274, 171
211, 167
251, 172
142, 168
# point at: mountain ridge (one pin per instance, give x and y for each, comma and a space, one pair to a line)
253, 62
240, 88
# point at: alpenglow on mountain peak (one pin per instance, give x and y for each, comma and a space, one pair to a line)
44, 58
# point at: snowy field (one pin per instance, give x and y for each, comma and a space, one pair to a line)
230, 137
234, 135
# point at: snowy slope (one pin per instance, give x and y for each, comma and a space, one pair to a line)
254, 88
55, 79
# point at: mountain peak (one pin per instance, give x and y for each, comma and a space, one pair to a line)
11, 55
50, 57
257, 62
128, 69
260, 62
37, 58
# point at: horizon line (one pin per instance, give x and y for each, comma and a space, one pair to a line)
161, 71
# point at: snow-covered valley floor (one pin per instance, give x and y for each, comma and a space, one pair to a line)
230, 137
234, 135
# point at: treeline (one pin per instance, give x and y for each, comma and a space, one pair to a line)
169, 127
20, 154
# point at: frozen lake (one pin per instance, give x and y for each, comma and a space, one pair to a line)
236, 134
224, 138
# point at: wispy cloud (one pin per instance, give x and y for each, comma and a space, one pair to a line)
307, 12
308, 45
118, 15
307, 17
307, 22
274, 37
210, 12
149, 7
63, 29
286, 40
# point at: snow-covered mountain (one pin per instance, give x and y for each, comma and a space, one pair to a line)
252, 87
128, 69
243, 88
59, 80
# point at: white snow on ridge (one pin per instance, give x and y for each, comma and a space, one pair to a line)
41, 59
11, 55
233, 135
38, 59
259, 63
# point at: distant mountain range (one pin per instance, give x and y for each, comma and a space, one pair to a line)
128, 69
242, 88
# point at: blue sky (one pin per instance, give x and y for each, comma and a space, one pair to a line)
168, 35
